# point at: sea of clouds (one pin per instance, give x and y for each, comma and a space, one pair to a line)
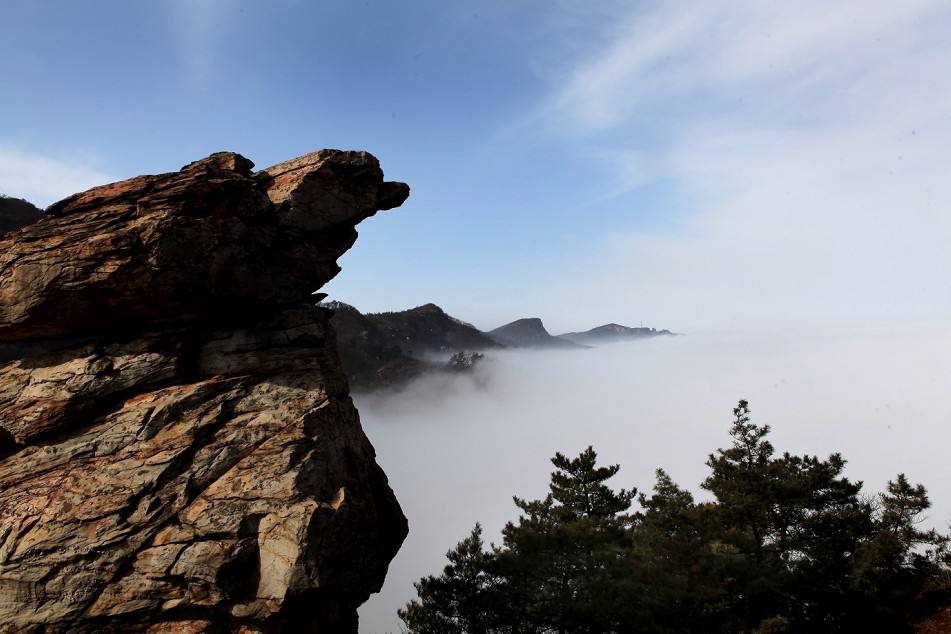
456, 448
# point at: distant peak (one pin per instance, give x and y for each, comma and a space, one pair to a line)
613, 332
429, 308
528, 332
335, 304
525, 323
528, 321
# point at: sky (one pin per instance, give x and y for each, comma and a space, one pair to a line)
717, 168
687, 165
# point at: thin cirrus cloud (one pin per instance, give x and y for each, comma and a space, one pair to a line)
808, 141
725, 49
197, 27
44, 179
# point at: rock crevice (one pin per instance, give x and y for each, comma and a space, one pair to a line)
178, 449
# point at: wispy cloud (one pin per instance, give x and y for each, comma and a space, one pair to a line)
809, 139
725, 51
197, 25
43, 179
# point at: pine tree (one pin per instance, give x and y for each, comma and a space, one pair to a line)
564, 559
578, 486
677, 575
461, 600
796, 521
898, 558
740, 480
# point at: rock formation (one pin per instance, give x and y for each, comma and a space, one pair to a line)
178, 449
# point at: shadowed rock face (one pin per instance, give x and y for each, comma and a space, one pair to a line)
178, 449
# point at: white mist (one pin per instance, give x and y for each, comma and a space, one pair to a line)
457, 448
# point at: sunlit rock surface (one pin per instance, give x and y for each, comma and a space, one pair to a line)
178, 448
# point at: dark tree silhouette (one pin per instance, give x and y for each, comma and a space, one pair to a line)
787, 545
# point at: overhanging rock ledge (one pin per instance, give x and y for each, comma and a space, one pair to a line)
178, 448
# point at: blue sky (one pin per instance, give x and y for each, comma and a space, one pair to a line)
688, 165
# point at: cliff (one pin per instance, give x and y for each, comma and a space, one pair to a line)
178, 449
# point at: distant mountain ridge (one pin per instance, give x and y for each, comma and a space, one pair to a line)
16, 213
368, 359
388, 349
611, 333
427, 330
529, 333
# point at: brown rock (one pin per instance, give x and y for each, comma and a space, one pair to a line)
205, 242
181, 452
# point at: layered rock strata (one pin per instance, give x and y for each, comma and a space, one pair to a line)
178, 449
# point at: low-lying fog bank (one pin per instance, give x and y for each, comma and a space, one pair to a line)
456, 448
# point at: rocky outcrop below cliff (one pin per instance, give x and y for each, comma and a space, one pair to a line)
178, 448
